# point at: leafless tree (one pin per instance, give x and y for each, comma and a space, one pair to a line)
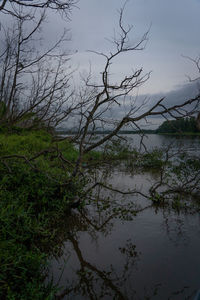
179, 178
34, 88
106, 97
196, 63
35, 84
12, 6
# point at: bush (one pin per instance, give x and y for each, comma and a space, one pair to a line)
32, 201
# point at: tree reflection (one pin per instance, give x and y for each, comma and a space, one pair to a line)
93, 280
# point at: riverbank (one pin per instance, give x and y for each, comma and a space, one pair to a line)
36, 191
180, 133
131, 132
35, 194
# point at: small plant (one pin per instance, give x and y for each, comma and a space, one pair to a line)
157, 198
34, 195
153, 159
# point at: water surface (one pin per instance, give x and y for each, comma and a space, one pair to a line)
124, 247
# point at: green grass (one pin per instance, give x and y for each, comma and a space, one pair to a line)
33, 198
32, 142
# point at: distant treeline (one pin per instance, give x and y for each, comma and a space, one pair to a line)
178, 126
67, 131
183, 125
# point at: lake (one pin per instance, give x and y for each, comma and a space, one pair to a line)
122, 246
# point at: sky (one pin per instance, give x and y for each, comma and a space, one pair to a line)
174, 33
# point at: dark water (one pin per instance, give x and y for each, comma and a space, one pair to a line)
190, 144
123, 247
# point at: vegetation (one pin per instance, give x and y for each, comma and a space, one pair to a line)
42, 175
34, 195
183, 125
37, 189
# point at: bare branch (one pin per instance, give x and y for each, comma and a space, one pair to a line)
63, 7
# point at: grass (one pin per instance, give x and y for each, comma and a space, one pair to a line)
32, 200
35, 196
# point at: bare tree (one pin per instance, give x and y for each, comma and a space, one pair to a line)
106, 96
35, 86
179, 177
196, 63
12, 6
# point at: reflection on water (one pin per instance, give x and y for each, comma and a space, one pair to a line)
121, 246
191, 144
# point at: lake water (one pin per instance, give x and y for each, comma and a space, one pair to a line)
121, 246
191, 144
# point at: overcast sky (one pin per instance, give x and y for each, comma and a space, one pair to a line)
174, 32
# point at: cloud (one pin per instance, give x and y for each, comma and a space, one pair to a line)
174, 31
174, 97
179, 95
